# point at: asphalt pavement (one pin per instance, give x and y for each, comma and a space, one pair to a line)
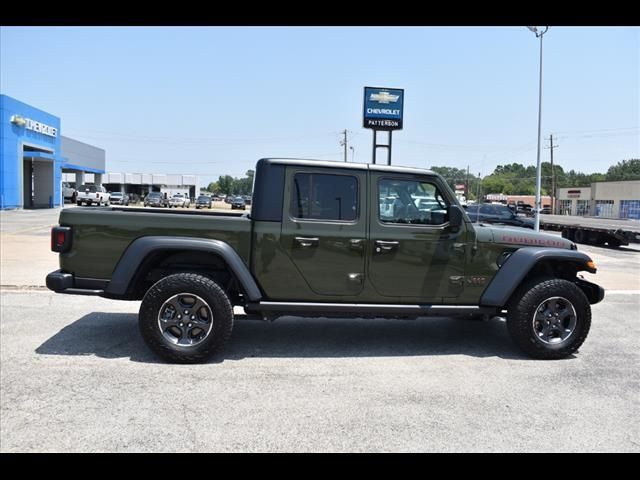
75, 376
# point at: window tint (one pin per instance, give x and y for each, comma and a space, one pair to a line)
322, 196
411, 202
91, 188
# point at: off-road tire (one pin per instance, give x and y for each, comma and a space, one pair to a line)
522, 308
195, 284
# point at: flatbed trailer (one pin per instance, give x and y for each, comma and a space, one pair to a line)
593, 230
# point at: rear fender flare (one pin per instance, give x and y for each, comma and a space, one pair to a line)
140, 248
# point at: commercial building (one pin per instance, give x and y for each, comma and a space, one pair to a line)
142, 183
34, 155
35, 159
602, 199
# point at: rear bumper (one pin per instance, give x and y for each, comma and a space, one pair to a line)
64, 282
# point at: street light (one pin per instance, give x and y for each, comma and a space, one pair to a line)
353, 152
539, 35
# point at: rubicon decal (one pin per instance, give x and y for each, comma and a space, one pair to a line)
522, 240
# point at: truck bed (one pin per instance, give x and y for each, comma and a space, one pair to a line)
619, 228
101, 234
593, 222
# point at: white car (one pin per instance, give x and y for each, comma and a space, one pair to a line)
91, 194
179, 200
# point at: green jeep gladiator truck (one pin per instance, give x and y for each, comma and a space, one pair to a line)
325, 239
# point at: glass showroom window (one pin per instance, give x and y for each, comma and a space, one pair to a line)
630, 209
583, 208
565, 207
604, 208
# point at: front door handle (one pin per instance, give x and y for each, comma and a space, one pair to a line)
386, 246
307, 242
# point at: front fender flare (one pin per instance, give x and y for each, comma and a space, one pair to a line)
140, 248
519, 264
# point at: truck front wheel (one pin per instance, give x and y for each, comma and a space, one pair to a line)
186, 318
549, 318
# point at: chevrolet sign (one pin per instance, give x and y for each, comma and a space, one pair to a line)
383, 108
29, 124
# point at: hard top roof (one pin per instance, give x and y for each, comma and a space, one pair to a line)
343, 165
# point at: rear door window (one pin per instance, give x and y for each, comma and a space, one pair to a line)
320, 196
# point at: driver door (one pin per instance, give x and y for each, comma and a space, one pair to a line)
414, 253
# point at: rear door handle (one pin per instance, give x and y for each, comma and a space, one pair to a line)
357, 244
385, 246
307, 242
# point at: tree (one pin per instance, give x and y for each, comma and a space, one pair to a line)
624, 170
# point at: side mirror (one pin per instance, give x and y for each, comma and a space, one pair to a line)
455, 217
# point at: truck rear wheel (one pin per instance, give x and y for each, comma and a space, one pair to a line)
549, 318
186, 318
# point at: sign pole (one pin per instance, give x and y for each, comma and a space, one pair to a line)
389, 152
374, 147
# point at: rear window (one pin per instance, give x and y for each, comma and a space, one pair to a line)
91, 188
320, 196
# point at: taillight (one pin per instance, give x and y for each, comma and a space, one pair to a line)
60, 239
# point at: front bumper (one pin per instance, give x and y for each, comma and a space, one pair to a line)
595, 293
64, 282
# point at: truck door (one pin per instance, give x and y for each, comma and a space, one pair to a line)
324, 227
413, 251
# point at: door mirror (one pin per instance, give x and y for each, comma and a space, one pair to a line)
455, 217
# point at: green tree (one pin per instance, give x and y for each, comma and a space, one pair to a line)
624, 170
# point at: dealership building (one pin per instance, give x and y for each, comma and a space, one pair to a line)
34, 155
35, 159
602, 199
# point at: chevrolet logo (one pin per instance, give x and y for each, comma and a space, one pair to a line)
384, 97
18, 120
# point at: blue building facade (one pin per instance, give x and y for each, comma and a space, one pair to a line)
31, 158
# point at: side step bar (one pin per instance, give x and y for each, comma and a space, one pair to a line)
354, 309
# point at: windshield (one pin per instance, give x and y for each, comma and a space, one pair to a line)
203, 197
116, 194
153, 194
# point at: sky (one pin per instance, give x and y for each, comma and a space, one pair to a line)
214, 100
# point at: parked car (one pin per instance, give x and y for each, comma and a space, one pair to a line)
203, 201
119, 198
307, 254
68, 192
92, 194
228, 199
247, 199
497, 214
238, 202
155, 199
179, 200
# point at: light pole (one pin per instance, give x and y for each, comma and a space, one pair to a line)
539, 35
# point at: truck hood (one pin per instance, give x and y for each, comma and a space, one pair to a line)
520, 237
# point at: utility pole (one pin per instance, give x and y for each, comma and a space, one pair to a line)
478, 199
553, 176
466, 185
344, 144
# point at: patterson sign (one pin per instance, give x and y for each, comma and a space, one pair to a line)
383, 108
